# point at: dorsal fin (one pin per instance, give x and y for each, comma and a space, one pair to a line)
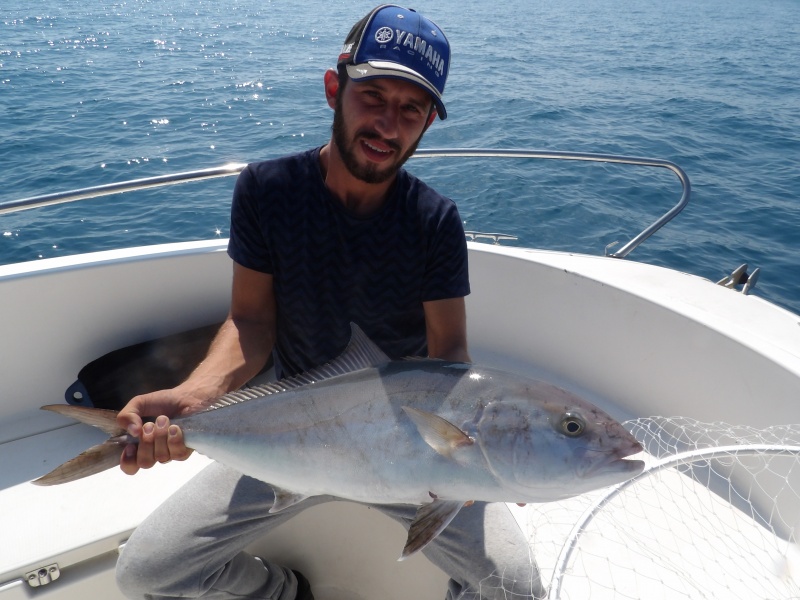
360, 353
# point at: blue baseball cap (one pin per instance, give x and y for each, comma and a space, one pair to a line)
400, 43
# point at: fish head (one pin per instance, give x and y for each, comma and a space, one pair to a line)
546, 443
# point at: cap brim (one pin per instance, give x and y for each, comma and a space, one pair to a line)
376, 68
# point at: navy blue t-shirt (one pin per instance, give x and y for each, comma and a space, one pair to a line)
331, 267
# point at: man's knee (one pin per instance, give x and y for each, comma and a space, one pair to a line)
145, 573
131, 577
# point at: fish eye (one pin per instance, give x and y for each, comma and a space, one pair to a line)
572, 425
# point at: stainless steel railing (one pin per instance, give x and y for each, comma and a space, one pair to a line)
117, 188
234, 168
588, 157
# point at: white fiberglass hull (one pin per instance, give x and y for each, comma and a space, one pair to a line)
637, 340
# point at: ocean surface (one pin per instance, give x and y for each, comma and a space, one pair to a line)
97, 91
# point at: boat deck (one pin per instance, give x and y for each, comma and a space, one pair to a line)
635, 339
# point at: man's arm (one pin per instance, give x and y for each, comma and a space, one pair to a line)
239, 350
446, 324
244, 342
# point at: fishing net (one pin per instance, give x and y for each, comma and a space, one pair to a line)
715, 514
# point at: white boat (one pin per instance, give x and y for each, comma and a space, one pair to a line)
638, 340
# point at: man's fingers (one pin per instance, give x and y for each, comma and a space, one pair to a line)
130, 422
158, 442
160, 449
145, 454
177, 448
127, 461
163, 402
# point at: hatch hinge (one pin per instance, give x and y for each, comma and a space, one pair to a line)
43, 575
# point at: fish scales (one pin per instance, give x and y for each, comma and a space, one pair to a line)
349, 436
426, 432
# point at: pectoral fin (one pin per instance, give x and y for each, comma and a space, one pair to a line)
440, 434
430, 520
284, 499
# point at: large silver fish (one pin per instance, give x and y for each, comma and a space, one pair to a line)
424, 432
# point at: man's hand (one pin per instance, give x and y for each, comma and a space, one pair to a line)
159, 441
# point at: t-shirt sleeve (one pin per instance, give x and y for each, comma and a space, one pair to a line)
447, 273
247, 245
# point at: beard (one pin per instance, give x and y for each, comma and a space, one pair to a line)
369, 172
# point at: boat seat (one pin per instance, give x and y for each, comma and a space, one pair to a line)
73, 524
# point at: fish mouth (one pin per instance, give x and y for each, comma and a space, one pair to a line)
627, 465
616, 462
633, 448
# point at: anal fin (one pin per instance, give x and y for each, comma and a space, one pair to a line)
430, 520
284, 499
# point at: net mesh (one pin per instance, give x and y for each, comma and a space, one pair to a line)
715, 514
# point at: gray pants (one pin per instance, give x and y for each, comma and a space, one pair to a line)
192, 546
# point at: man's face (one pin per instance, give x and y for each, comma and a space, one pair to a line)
377, 125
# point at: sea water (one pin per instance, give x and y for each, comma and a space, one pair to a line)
97, 91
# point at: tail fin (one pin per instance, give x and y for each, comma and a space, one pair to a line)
95, 459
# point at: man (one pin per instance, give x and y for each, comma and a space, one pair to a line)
320, 239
